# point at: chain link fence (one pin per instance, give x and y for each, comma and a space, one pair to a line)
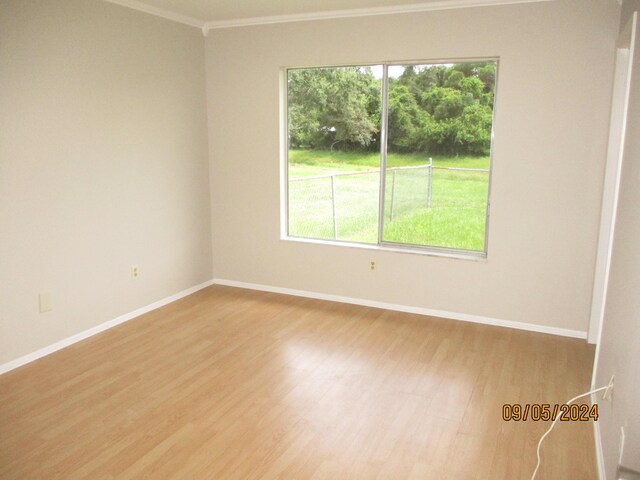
344, 205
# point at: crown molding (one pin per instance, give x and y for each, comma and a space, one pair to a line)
306, 17
360, 12
160, 12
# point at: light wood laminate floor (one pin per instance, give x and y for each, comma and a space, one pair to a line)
239, 384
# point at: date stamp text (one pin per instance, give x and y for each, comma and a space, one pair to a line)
543, 412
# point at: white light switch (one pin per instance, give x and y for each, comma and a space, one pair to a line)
45, 302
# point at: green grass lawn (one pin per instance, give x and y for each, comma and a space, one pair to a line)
304, 163
455, 219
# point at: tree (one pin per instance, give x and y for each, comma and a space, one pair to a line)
403, 119
443, 102
440, 109
472, 86
473, 133
487, 75
331, 106
453, 79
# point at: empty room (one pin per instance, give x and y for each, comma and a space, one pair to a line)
338, 239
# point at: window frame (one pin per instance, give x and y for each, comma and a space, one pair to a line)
382, 245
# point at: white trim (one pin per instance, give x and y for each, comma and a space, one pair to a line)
598, 443
205, 26
360, 12
390, 247
160, 12
18, 362
627, 40
408, 309
613, 170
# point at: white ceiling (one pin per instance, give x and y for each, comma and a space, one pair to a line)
225, 13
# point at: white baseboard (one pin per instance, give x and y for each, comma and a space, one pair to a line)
598, 443
18, 362
408, 309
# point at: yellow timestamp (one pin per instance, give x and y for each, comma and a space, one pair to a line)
542, 412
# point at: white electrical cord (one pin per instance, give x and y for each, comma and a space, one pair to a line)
554, 424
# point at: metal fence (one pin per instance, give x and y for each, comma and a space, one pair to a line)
394, 175
344, 205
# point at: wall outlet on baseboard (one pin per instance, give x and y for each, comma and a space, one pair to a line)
135, 271
372, 266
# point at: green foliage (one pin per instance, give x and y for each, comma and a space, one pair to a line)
404, 119
454, 77
443, 103
439, 109
472, 86
328, 106
487, 75
474, 129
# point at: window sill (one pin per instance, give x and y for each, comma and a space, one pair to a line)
427, 251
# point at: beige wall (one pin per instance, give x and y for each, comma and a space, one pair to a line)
619, 352
556, 61
103, 164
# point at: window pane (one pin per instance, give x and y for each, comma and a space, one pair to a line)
438, 154
333, 152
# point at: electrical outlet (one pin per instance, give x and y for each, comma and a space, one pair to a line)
372, 266
608, 393
45, 302
135, 271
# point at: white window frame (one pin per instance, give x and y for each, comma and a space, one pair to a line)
382, 245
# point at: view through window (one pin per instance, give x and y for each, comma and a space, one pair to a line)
391, 154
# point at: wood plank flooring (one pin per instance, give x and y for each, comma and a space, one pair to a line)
238, 384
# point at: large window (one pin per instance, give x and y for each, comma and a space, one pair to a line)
396, 155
